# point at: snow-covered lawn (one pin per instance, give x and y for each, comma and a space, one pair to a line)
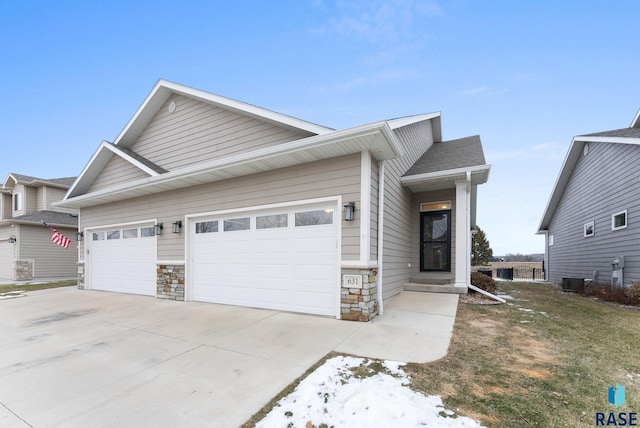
356, 392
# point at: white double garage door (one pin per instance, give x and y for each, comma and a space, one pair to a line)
279, 258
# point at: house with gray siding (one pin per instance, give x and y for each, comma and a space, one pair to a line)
592, 221
205, 198
26, 249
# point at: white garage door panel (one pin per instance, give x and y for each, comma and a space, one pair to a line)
123, 265
291, 268
6, 260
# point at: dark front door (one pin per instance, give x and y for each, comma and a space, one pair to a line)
435, 241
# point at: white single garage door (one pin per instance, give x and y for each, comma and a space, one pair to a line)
6, 259
123, 259
284, 259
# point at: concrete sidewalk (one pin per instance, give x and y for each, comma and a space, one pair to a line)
88, 358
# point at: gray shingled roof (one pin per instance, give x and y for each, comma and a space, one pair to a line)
447, 155
50, 217
66, 181
624, 132
142, 160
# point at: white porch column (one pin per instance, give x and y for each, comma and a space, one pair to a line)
463, 232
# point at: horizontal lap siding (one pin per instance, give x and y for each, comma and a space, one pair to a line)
199, 132
602, 183
116, 171
50, 260
338, 176
398, 252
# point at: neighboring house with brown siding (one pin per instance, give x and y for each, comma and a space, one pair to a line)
26, 250
205, 198
593, 215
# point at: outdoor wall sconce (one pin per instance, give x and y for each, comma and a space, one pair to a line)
177, 226
158, 229
12, 239
349, 210
80, 236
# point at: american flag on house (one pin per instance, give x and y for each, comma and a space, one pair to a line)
58, 238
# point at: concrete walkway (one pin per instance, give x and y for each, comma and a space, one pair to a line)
88, 358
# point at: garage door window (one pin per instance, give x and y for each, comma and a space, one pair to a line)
314, 218
206, 226
129, 233
234, 224
272, 221
98, 236
113, 234
147, 232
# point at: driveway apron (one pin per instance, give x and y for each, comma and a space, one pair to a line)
88, 358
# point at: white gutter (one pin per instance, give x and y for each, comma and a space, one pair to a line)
380, 232
486, 293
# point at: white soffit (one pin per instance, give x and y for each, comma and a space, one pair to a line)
446, 179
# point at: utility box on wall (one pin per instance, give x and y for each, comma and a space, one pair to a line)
617, 271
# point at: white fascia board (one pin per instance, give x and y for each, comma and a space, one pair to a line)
474, 170
408, 120
85, 170
392, 150
561, 181
636, 120
614, 140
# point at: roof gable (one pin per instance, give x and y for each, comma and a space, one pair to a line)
629, 135
13, 179
164, 89
449, 155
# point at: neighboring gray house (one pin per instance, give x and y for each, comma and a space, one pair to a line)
205, 198
593, 216
26, 250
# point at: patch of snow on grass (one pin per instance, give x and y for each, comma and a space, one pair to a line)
332, 395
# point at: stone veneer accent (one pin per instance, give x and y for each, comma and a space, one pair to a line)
23, 270
81, 276
359, 304
170, 282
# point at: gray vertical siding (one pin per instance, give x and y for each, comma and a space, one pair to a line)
5, 206
331, 177
603, 182
398, 251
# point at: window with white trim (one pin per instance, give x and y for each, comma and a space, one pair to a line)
589, 229
619, 220
17, 201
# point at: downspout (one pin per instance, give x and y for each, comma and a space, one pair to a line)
380, 232
486, 293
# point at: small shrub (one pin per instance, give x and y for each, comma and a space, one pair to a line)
622, 295
484, 282
633, 293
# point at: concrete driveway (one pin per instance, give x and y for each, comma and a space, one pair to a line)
86, 358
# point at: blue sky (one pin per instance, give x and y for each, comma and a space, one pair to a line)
525, 76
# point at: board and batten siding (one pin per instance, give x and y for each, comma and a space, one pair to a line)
603, 182
198, 132
50, 260
330, 177
117, 170
415, 139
